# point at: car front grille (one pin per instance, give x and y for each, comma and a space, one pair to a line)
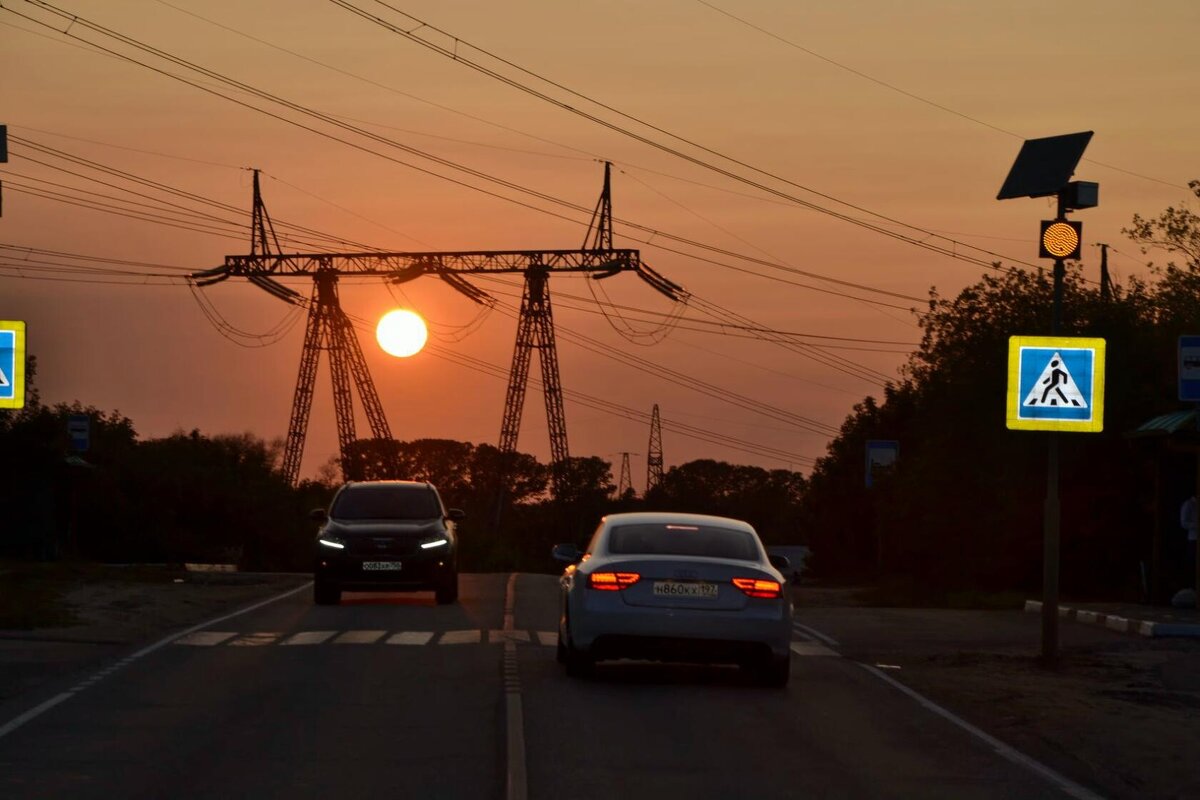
382, 546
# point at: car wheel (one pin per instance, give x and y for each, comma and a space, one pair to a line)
578, 663
775, 672
326, 593
447, 590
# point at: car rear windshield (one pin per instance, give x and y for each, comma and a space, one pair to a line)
682, 540
386, 502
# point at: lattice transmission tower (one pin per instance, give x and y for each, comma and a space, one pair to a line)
330, 329
654, 454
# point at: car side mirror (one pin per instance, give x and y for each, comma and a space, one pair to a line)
780, 563
318, 515
456, 514
567, 553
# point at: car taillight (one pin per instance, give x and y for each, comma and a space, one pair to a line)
613, 581
756, 587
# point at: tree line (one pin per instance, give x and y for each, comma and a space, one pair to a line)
190, 497
963, 506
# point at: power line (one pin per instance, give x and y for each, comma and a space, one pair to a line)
455, 53
908, 94
506, 184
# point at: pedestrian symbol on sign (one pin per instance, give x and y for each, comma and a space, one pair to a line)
1055, 383
1055, 387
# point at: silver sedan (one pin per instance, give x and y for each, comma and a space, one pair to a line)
675, 587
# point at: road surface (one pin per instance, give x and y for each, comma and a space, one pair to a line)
394, 696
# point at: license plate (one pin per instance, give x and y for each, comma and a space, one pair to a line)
381, 566
703, 591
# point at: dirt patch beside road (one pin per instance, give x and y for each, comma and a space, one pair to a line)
1119, 714
58, 619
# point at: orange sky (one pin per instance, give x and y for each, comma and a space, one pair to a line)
1032, 69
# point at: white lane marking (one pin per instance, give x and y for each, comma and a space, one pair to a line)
258, 639
411, 637
206, 638
359, 637
547, 638
812, 649
816, 634
516, 784
308, 637
460, 637
1005, 751
36, 711
508, 635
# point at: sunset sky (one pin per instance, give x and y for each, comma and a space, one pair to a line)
887, 113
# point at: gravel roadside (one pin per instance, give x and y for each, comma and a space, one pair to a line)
1119, 714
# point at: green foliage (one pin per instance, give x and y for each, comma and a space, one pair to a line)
963, 507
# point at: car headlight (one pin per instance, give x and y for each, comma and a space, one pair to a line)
435, 543
332, 541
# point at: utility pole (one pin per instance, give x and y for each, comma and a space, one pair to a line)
1105, 281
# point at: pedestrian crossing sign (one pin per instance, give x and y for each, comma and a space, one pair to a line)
12, 364
1055, 383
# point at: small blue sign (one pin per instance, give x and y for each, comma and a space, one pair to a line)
881, 454
1189, 368
8, 366
79, 428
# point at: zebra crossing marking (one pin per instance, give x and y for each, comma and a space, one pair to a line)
411, 637
803, 645
205, 638
255, 639
359, 637
308, 637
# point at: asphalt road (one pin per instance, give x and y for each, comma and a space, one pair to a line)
393, 696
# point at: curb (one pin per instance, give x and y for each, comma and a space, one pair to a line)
1119, 624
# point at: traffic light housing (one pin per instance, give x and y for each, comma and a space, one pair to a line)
1060, 238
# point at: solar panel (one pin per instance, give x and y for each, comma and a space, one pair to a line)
1044, 166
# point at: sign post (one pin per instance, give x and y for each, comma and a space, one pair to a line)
1189, 391
881, 456
1043, 168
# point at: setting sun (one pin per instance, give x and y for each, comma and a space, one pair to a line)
401, 333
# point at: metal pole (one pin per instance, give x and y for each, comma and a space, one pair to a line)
1050, 525
1196, 566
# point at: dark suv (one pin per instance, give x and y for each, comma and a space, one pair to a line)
391, 535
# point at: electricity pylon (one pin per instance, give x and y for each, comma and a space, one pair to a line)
329, 328
625, 483
654, 457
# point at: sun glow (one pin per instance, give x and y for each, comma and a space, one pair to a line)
401, 333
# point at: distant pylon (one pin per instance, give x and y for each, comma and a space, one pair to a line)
654, 457
626, 481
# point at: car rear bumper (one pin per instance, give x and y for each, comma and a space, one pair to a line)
605, 627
